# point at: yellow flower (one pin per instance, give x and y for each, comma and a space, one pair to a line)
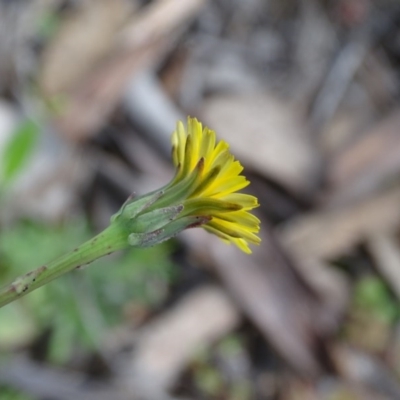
215, 179
202, 193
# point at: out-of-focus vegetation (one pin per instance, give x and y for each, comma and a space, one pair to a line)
109, 293
17, 150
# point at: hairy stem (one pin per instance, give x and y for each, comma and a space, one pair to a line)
111, 239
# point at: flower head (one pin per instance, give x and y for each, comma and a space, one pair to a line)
202, 193
195, 150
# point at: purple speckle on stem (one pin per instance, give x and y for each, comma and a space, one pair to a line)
41, 270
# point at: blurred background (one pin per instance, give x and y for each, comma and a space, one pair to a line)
307, 94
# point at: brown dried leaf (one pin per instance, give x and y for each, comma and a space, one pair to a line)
267, 135
90, 104
330, 233
83, 39
368, 163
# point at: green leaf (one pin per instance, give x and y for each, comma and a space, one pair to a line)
372, 295
18, 149
48, 25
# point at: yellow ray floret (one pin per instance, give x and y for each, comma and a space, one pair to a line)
210, 178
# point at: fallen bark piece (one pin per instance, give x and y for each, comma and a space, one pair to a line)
367, 164
332, 287
165, 346
330, 233
83, 39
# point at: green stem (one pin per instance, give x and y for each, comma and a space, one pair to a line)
111, 239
